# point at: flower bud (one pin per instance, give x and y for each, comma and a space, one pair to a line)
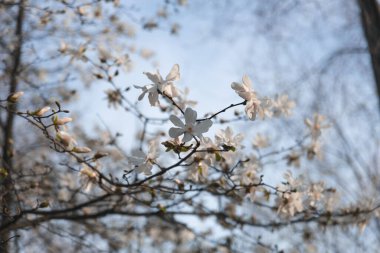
99, 155
81, 150
66, 140
61, 121
40, 112
14, 97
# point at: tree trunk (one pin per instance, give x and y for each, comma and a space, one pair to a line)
7, 200
370, 14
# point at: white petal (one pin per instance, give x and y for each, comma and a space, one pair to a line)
153, 98
155, 78
173, 74
176, 121
138, 153
187, 137
237, 86
171, 90
190, 116
247, 82
174, 132
229, 132
142, 95
202, 127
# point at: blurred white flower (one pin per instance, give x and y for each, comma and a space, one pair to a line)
260, 141
254, 105
282, 105
316, 125
290, 203
226, 137
190, 128
315, 193
143, 162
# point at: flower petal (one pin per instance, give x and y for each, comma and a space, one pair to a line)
173, 74
176, 121
202, 127
247, 82
153, 98
237, 87
187, 137
190, 116
155, 78
175, 132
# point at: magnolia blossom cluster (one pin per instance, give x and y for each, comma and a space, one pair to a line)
295, 196
262, 106
223, 151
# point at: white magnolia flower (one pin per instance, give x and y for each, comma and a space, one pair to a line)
160, 85
190, 128
198, 170
261, 141
245, 91
283, 106
226, 137
293, 183
290, 203
316, 125
142, 162
315, 193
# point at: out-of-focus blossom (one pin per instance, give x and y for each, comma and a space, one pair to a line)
227, 138
314, 150
260, 141
290, 203
254, 105
293, 159
316, 125
114, 98
315, 193
281, 105
142, 162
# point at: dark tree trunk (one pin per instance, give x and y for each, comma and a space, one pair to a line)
7, 147
370, 14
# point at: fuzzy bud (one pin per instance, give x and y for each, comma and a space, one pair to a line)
14, 97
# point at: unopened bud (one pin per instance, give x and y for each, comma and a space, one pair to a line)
81, 150
40, 112
61, 121
66, 140
99, 155
14, 97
